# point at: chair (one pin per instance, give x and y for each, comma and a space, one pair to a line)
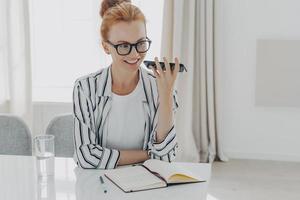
62, 128
15, 136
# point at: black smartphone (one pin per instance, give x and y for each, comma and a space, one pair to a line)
149, 63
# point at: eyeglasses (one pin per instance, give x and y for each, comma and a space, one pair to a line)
124, 49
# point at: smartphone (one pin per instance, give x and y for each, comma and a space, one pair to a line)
149, 63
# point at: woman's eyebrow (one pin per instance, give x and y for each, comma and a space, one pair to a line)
129, 42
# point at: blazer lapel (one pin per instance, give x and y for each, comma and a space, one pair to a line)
146, 99
105, 95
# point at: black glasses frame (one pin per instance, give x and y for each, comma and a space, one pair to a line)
131, 45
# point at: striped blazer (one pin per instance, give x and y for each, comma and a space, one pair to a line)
91, 106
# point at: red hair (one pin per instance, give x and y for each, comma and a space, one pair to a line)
114, 11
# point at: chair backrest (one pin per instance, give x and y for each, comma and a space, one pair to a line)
15, 136
62, 128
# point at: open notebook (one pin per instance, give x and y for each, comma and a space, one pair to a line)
150, 175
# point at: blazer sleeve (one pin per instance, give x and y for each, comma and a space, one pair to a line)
167, 149
88, 153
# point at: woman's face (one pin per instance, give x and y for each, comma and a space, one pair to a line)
126, 32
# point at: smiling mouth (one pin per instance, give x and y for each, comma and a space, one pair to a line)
132, 62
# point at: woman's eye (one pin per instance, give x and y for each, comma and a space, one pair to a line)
143, 43
125, 45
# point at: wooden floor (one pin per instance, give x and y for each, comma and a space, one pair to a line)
255, 180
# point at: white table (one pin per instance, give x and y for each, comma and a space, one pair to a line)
18, 181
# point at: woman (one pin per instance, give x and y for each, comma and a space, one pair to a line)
123, 114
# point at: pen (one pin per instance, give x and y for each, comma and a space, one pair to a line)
103, 184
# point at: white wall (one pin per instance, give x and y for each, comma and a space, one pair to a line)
44, 112
249, 131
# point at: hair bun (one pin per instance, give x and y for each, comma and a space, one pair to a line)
106, 4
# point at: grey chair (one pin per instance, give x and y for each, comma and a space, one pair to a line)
15, 136
62, 128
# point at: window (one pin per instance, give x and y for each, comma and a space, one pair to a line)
66, 44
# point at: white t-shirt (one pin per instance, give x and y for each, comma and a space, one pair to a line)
126, 121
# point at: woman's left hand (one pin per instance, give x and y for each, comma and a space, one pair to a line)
165, 78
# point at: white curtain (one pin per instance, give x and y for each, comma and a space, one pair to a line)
15, 70
188, 33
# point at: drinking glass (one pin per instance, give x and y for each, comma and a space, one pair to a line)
44, 152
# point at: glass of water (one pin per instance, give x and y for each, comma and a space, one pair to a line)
44, 152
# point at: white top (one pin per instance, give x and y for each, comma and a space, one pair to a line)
126, 121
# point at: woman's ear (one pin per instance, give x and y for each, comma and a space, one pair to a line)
105, 47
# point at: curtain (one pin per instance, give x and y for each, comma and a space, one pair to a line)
15, 70
188, 33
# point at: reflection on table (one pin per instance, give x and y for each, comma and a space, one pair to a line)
19, 180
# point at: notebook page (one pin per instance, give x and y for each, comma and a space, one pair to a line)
133, 178
166, 169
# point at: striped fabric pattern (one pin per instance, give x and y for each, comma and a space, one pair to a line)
91, 106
